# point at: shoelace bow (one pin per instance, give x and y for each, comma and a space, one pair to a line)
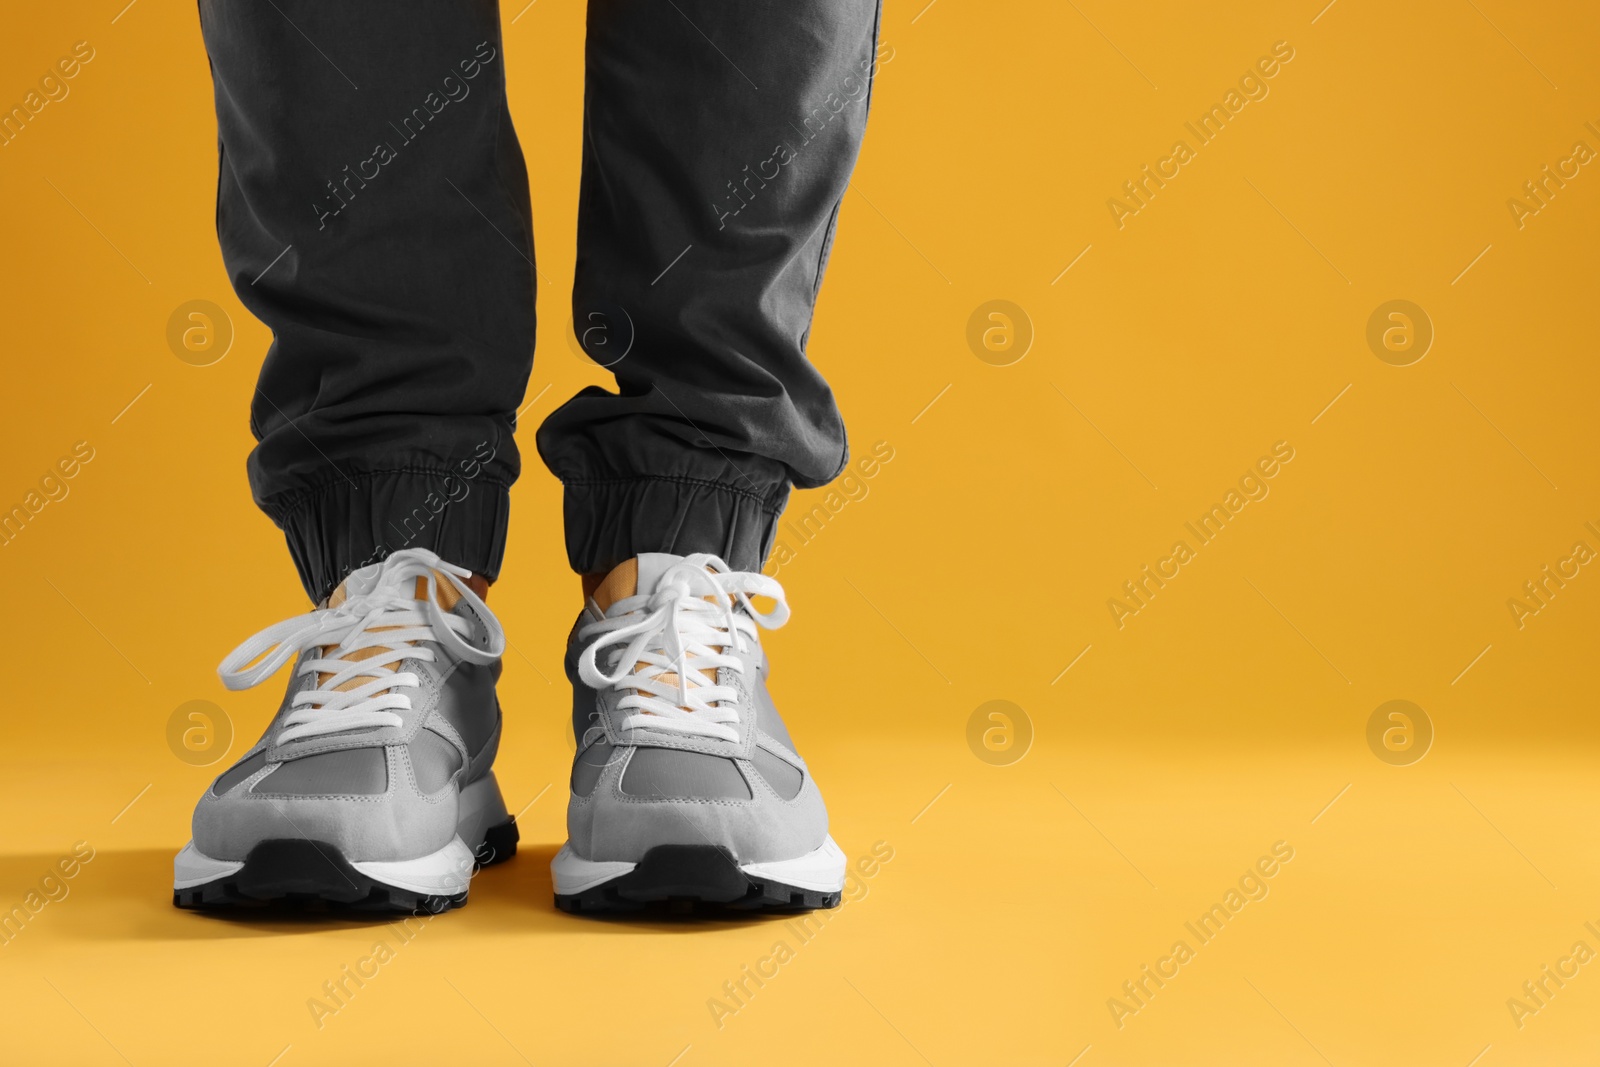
381, 611
676, 639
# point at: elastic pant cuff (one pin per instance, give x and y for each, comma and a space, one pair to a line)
612, 520
350, 523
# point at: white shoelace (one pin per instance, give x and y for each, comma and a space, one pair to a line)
674, 634
381, 610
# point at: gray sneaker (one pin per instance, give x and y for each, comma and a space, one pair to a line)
371, 788
686, 786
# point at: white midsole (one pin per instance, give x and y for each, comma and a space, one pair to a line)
193, 867
446, 872
573, 874
821, 870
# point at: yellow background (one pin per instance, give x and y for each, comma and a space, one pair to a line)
1226, 716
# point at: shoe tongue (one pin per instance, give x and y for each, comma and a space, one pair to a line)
363, 581
641, 576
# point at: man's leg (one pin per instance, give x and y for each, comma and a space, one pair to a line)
373, 211
718, 143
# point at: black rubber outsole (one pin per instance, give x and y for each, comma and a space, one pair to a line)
294, 874
689, 877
